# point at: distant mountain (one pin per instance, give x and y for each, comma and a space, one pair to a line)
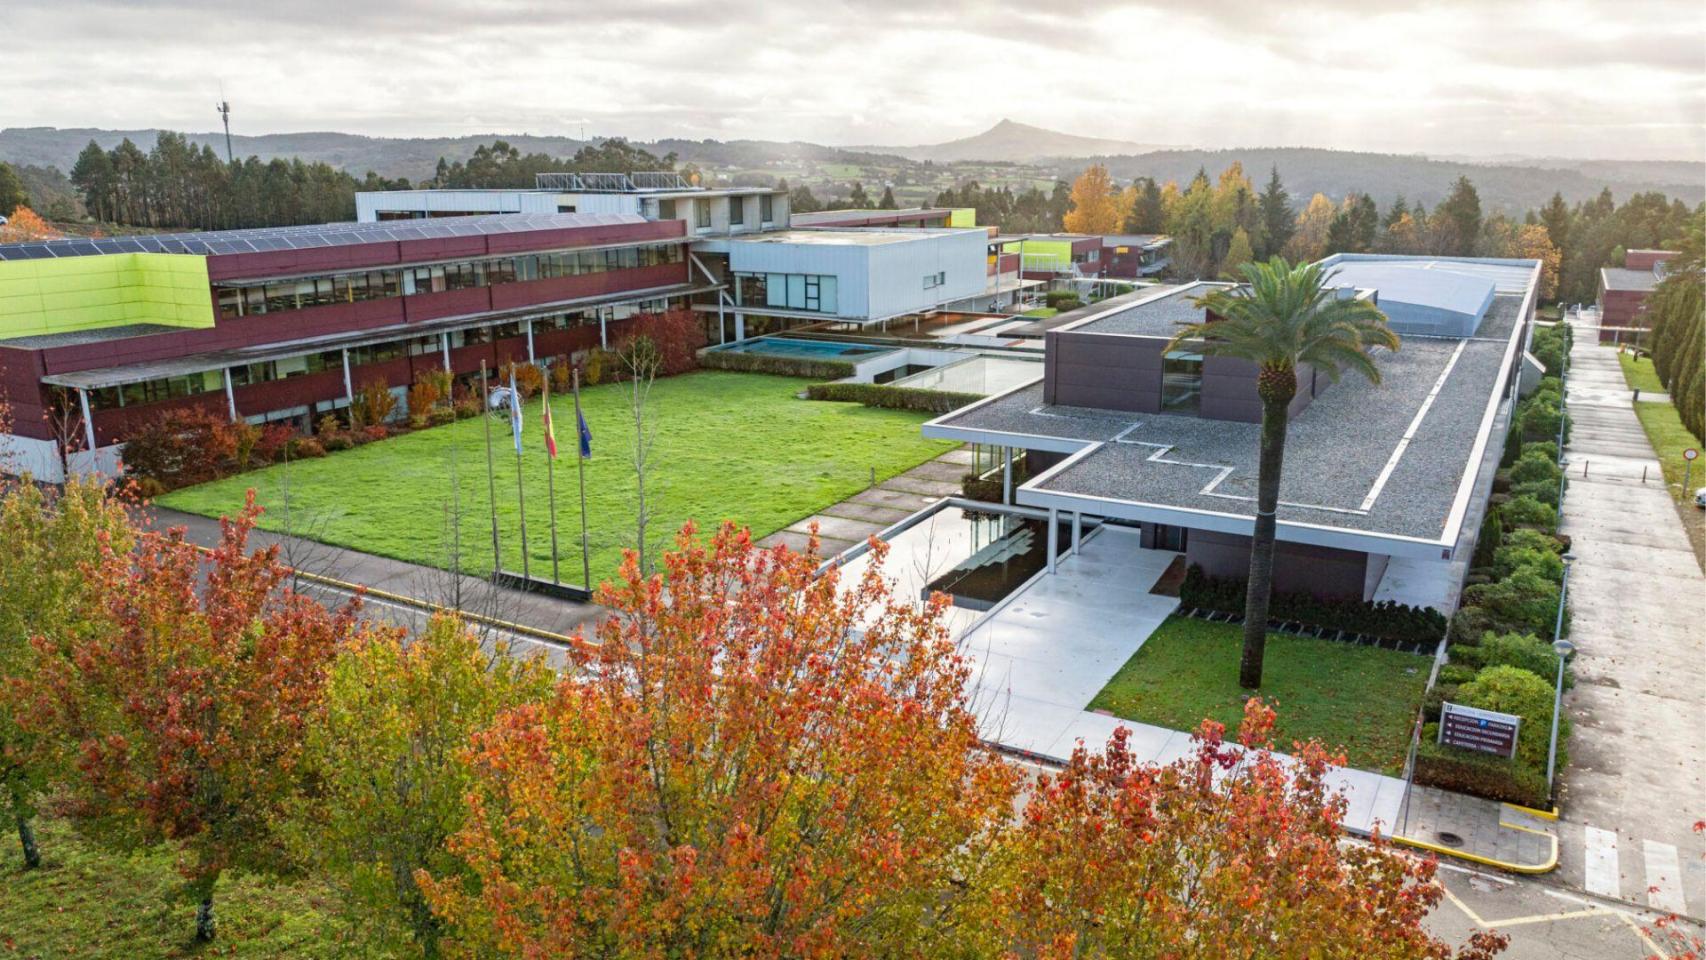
1013, 142
1513, 188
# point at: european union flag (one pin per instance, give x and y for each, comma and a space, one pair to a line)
585, 433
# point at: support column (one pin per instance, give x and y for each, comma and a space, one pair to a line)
722, 333
88, 418
230, 397
740, 327
349, 389
444, 347
529, 328
1077, 530
1007, 475
1053, 536
603, 333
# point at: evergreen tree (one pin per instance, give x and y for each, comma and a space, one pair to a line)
1146, 214
1238, 253
858, 199
800, 200
12, 193
1279, 220
1461, 214
1400, 210
887, 200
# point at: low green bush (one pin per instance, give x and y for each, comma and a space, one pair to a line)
1062, 299
1431, 702
1481, 774
779, 366
1518, 555
1535, 464
1489, 540
891, 398
1455, 673
1507, 689
1524, 602
1528, 512
1522, 650
1385, 620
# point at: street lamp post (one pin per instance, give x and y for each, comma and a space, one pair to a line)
1563, 648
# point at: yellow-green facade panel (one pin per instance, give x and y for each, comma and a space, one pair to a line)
88, 293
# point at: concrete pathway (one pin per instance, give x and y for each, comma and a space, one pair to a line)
868, 512
1636, 782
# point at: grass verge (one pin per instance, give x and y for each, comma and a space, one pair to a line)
732, 446
1669, 438
1359, 699
88, 902
1638, 373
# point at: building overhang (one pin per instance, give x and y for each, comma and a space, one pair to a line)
102, 377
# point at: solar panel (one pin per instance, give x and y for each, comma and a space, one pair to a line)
257, 239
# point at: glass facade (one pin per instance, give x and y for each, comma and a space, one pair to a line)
789, 291
307, 292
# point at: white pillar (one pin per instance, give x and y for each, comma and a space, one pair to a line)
740, 326
1077, 530
349, 389
603, 333
88, 418
230, 397
444, 347
1007, 475
722, 334
1053, 536
530, 357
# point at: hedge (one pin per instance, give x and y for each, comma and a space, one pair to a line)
780, 366
891, 398
1481, 774
1419, 627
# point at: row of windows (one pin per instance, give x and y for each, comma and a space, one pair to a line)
385, 284
153, 391
793, 291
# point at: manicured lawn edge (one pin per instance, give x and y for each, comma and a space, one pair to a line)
1358, 698
1664, 429
1638, 373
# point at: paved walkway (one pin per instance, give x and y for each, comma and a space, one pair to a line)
1636, 782
868, 512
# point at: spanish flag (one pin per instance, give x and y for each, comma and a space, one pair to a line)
545, 409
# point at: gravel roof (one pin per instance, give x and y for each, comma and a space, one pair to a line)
1335, 449
68, 338
1159, 317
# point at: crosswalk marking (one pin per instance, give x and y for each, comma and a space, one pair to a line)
1601, 848
1664, 877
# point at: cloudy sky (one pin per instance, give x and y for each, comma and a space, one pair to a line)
1583, 78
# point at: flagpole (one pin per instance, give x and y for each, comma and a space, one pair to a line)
520, 495
491, 481
550, 473
580, 468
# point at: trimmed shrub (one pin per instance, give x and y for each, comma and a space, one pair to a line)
1062, 299
307, 447
765, 363
1527, 555
1524, 602
1536, 464
891, 398
1509, 689
1545, 491
529, 379
1522, 650
1481, 774
1455, 673
337, 441
1386, 621
1529, 512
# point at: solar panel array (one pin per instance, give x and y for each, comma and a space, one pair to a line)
270, 239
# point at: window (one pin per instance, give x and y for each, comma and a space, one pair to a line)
565, 208
737, 211
703, 211
1181, 382
934, 280
666, 209
766, 208
231, 301
789, 291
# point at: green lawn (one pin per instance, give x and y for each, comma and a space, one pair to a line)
1360, 699
1041, 313
1638, 372
728, 445
1669, 438
87, 902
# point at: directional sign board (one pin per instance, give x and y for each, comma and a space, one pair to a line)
1690, 453
1483, 730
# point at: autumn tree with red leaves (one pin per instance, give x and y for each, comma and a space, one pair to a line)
747, 763
189, 712
1229, 852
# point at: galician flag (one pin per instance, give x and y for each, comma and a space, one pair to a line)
515, 411
545, 415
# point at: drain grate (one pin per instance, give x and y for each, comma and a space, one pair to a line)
1449, 839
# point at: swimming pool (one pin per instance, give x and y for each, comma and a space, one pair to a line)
809, 349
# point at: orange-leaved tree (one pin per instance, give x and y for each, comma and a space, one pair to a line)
1098, 207
751, 761
189, 711
47, 594
1229, 852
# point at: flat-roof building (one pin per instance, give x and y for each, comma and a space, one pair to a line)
1623, 293
287, 322
1118, 429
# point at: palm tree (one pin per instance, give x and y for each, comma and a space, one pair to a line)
1282, 316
